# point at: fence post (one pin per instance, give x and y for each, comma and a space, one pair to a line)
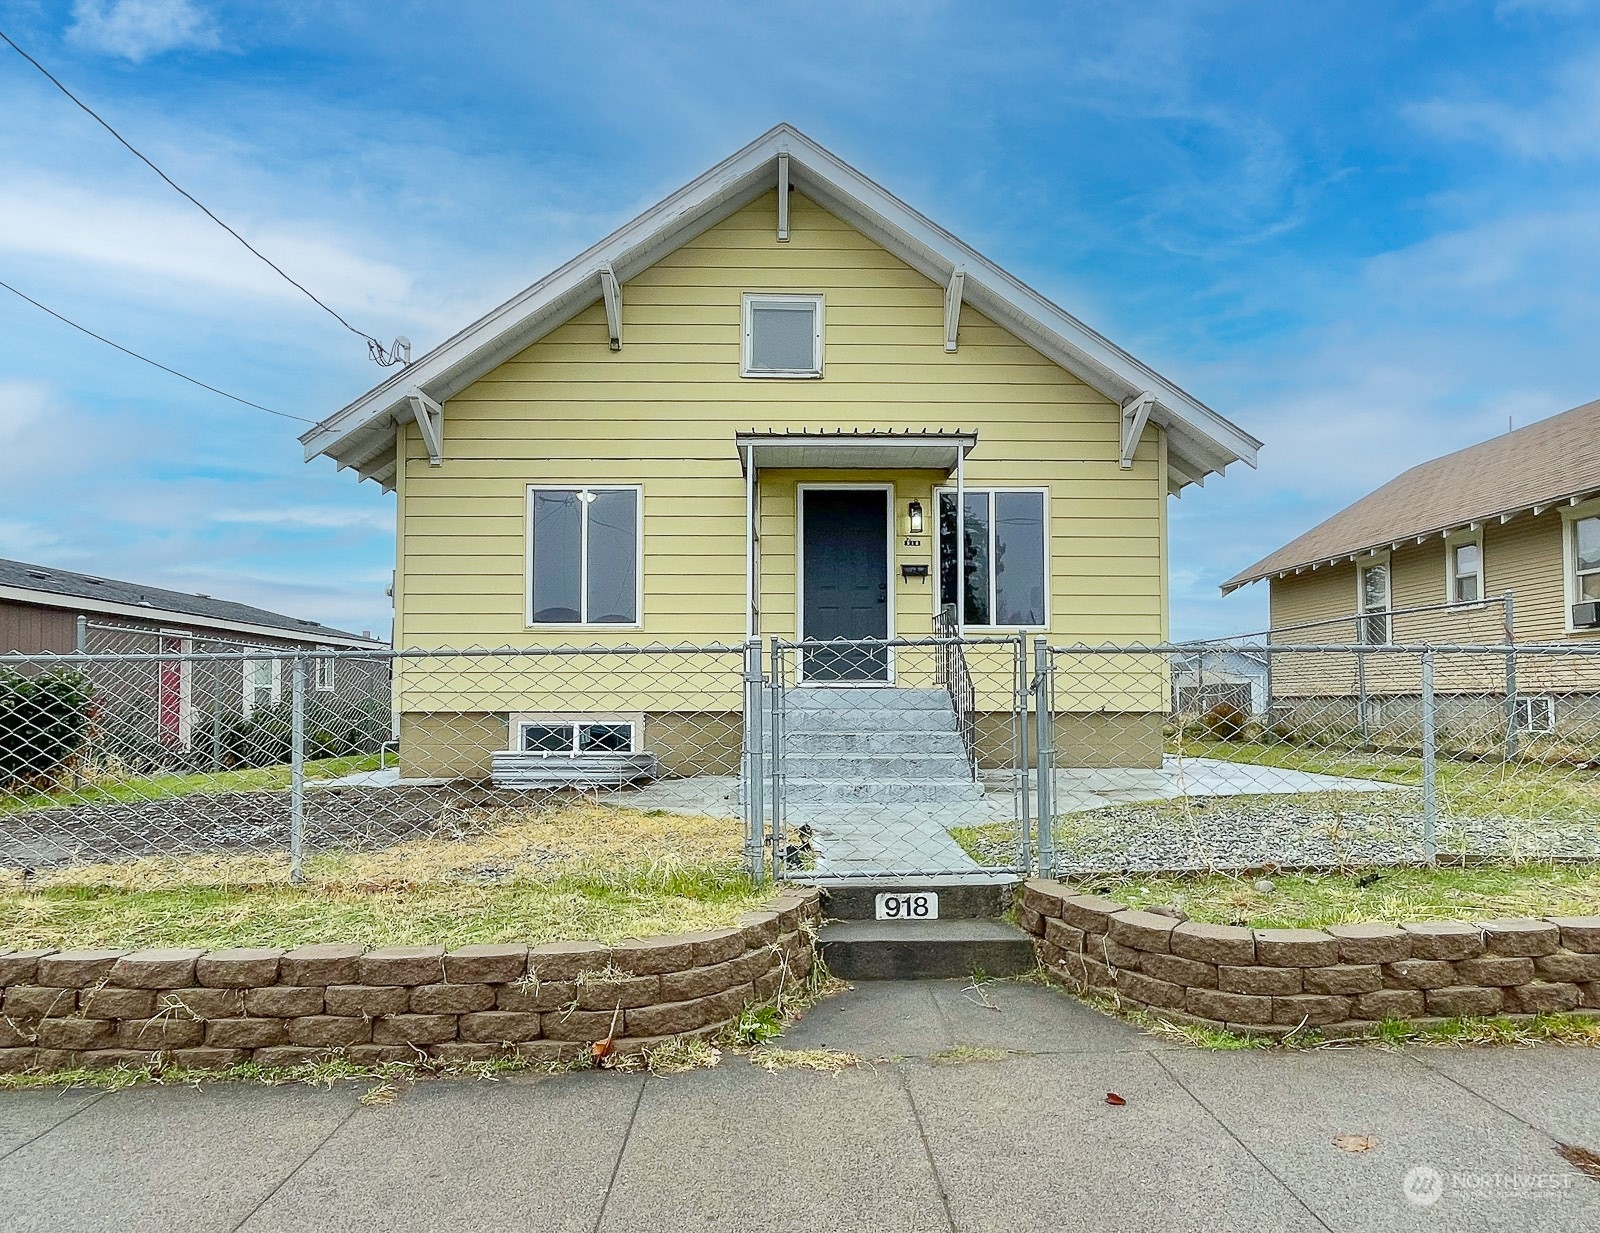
81, 641
1510, 625
1430, 777
754, 764
1025, 818
297, 767
1044, 753
775, 773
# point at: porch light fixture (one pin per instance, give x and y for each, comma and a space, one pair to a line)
914, 517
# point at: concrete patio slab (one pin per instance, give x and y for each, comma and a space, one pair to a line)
24, 1116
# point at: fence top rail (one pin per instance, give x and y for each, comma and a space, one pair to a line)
1493, 606
507, 652
813, 644
1335, 648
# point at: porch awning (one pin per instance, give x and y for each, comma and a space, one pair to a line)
854, 450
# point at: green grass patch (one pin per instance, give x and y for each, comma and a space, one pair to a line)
1311, 900
535, 875
103, 789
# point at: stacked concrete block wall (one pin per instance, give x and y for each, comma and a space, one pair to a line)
212, 1009
1342, 981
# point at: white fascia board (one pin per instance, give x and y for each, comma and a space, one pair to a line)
840, 188
309, 636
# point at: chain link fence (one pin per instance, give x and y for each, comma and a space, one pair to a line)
951, 758
1255, 755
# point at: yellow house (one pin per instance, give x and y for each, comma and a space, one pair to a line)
767, 408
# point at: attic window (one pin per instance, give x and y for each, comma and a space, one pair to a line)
782, 336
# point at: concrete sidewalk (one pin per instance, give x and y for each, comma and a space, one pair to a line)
911, 1143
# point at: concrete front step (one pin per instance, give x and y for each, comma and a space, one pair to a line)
850, 719
868, 767
835, 791
866, 698
960, 901
944, 742
924, 950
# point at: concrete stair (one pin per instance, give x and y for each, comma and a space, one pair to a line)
865, 746
967, 938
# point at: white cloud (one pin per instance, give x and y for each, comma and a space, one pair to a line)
311, 517
138, 29
1561, 126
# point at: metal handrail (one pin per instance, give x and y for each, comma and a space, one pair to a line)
956, 677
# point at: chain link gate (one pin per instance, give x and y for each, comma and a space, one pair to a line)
899, 758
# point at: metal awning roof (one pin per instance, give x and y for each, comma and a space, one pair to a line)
854, 450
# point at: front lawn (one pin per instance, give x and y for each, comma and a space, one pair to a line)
569, 871
1311, 900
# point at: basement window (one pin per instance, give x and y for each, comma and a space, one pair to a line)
782, 336
564, 739
1536, 714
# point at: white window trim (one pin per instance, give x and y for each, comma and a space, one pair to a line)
1546, 703
185, 643
583, 558
250, 685
322, 672
519, 721
751, 298
1570, 517
938, 547
1362, 564
1454, 540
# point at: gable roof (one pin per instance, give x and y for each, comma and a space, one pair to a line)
362, 435
61, 588
1555, 459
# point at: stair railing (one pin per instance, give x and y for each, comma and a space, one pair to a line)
956, 677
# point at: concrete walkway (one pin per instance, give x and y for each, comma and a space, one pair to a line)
914, 1144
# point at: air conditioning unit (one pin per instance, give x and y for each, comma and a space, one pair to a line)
1586, 616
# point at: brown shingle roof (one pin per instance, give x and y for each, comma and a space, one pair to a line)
1548, 461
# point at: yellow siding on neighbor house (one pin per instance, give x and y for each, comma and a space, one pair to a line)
1523, 556
662, 413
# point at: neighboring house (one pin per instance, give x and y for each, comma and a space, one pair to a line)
1494, 542
175, 704
747, 413
1202, 679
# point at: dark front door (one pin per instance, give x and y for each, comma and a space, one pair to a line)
845, 575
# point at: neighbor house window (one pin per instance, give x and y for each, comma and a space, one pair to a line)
1536, 713
261, 685
782, 336
583, 556
1372, 594
1464, 564
1586, 560
322, 671
1007, 578
557, 738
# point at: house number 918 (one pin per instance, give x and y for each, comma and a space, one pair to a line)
920, 905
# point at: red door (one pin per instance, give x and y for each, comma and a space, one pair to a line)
169, 699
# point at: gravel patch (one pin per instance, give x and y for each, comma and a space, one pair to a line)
1252, 832
224, 822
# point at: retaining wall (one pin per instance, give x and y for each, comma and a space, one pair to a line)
1341, 980
208, 1009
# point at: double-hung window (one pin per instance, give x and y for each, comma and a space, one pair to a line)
322, 670
782, 336
1374, 625
1007, 576
1586, 559
583, 555
262, 685
1464, 561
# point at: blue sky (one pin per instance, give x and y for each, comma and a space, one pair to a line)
1365, 232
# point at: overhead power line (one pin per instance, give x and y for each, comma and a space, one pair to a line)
380, 354
146, 359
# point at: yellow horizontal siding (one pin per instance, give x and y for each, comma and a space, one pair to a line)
662, 413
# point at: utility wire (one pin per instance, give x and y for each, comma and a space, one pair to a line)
146, 359
379, 353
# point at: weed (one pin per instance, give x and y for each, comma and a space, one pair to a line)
828, 1061
960, 1055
